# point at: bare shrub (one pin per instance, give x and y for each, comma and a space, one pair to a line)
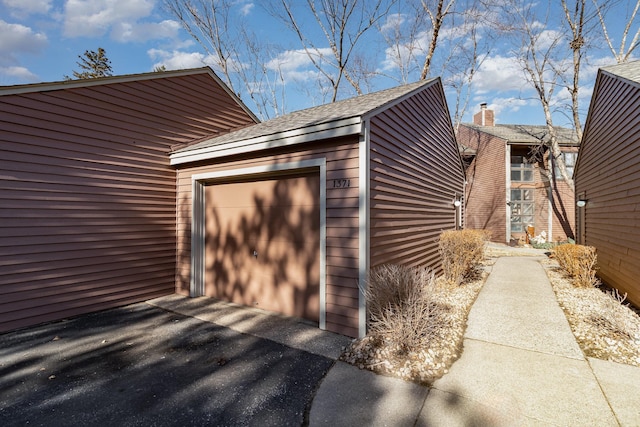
402, 306
579, 262
461, 252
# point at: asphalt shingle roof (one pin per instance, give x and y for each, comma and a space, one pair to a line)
628, 70
527, 134
353, 107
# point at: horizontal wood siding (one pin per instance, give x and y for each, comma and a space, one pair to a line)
342, 220
87, 196
608, 175
486, 200
416, 173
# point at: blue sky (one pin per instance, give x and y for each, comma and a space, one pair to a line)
40, 41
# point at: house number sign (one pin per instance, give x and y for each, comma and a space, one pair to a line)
341, 183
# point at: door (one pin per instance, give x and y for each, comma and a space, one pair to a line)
263, 243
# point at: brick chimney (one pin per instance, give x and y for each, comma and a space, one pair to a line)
484, 117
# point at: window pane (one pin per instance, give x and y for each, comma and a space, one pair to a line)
515, 175
527, 209
515, 194
528, 175
527, 194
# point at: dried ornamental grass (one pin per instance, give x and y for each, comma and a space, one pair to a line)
579, 262
434, 326
461, 252
604, 327
401, 305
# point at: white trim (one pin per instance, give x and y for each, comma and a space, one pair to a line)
363, 225
550, 214
334, 129
196, 284
198, 220
508, 181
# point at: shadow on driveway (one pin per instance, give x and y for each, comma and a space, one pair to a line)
141, 365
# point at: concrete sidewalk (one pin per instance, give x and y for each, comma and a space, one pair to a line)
521, 366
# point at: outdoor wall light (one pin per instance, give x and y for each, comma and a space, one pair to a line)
457, 203
581, 203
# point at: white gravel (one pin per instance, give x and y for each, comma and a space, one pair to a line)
604, 328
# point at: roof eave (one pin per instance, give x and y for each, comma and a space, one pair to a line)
82, 83
343, 127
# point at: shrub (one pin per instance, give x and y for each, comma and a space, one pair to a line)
579, 262
461, 252
402, 306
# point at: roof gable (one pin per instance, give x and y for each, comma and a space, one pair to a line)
328, 120
627, 73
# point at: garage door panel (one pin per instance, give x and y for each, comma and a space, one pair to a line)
263, 243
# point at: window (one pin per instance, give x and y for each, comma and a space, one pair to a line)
521, 209
521, 169
570, 163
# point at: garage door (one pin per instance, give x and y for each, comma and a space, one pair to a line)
263, 243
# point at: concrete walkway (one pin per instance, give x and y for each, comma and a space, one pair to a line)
521, 366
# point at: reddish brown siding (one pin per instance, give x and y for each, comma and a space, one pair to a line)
486, 200
486, 190
87, 196
608, 175
416, 173
341, 217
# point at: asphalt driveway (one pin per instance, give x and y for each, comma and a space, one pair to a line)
142, 365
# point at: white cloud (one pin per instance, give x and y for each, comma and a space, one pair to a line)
177, 60
547, 38
499, 74
295, 65
23, 8
507, 106
394, 21
246, 9
15, 39
120, 18
125, 31
20, 73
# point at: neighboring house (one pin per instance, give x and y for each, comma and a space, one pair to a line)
508, 189
87, 194
290, 214
608, 178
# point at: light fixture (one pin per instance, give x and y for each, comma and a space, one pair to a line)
457, 203
581, 203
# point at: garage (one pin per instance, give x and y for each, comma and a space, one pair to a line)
289, 215
262, 242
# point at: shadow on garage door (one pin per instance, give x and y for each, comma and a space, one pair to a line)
263, 243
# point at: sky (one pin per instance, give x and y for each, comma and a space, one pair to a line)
40, 41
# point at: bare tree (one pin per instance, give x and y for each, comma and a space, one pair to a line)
237, 55
343, 23
575, 19
469, 43
209, 23
437, 14
432, 37
401, 34
540, 54
624, 51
